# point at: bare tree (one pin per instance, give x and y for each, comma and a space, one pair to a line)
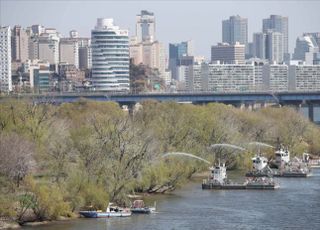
16, 157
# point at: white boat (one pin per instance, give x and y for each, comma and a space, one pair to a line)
111, 211
259, 162
282, 156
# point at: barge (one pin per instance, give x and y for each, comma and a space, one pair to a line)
218, 181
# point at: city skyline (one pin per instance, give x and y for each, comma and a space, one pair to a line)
203, 17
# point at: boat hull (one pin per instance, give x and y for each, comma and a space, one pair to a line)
95, 214
141, 210
239, 186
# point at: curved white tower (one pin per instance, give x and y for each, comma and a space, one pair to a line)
110, 57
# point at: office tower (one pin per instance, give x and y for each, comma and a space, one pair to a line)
69, 51
145, 26
259, 45
306, 47
144, 49
275, 77
279, 24
228, 54
19, 44
5, 59
177, 51
235, 29
274, 47
304, 77
110, 57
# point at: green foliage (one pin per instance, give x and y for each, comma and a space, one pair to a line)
46, 200
87, 153
7, 208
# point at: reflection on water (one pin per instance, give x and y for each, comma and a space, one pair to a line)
296, 205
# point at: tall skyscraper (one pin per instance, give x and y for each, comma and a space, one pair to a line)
259, 45
274, 47
5, 60
235, 29
144, 48
19, 44
177, 51
228, 54
279, 24
69, 51
110, 57
145, 26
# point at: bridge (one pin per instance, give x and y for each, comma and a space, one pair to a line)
307, 102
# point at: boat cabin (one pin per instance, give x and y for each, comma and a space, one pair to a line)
219, 173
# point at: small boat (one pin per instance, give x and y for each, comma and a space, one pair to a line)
139, 207
112, 211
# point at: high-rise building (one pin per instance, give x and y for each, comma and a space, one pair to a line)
279, 24
69, 51
259, 45
228, 54
110, 57
274, 47
144, 49
145, 26
5, 60
176, 52
48, 47
85, 53
235, 29
306, 47
19, 44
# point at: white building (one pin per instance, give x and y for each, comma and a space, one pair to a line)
275, 77
69, 51
5, 60
110, 57
231, 78
304, 77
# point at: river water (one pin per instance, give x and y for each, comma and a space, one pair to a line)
296, 205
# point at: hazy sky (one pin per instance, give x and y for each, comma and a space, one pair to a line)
175, 20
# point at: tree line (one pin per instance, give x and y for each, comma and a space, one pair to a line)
58, 159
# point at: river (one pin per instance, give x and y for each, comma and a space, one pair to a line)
296, 205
